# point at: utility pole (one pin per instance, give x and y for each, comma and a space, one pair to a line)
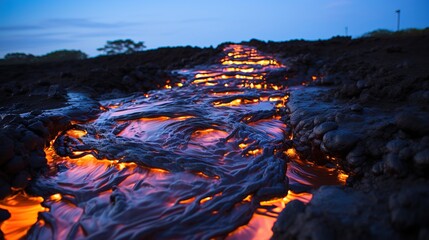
399, 19
347, 31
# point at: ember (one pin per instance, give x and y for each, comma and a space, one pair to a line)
204, 158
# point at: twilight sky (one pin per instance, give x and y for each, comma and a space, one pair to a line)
41, 26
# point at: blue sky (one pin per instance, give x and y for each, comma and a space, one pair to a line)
41, 26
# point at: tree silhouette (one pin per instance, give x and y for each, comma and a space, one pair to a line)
63, 55
121, 46
19, 56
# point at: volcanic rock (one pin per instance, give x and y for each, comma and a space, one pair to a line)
38, 128
357, 156
413, 122
409, 208
37, 160
31, 141
339, 141
393, 164
328, 80
56, 91
396, 145
6, 149
350, 90
4, 214
21, 180
356, 108
15, 165
286, 218
324, 128
421, 97
421, 159
4, 188
361, 84
347, 210
127, 80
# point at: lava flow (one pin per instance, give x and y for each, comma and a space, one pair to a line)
202, 160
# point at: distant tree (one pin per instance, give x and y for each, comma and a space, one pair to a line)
18, 56
63, 55
404, 32
378, 33
55, 56
121, 46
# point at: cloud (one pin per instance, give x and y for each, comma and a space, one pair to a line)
82, 23
98, 34
20, 27
56, 23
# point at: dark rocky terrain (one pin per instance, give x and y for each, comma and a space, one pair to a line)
364, 107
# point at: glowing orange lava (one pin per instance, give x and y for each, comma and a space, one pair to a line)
208, 136
259, 227
24, 210
184, 161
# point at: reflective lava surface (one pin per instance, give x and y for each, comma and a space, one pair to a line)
206, 158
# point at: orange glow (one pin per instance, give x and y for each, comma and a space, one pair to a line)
261, 223
275, 99
207, 137
203, 80
243, 70
113, 106
56, 197
146, 128
167, 86
238, 76
243, 145
291, 152
201, 174
342, 177
24, 210
314, 78
248, 198
75, 133
220, 94
260, 62
255, 152
275, 87
264, 99
235, 102
203, 75
85, 161
303, 197
205, 199
281, 202
187, 201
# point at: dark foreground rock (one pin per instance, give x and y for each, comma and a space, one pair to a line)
368, 117
344, 213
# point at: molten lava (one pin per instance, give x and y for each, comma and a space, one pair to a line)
204, 158
24, 210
